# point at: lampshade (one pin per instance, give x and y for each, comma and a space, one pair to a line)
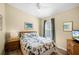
13, 34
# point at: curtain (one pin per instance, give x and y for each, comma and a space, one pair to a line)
44, 28
53, 28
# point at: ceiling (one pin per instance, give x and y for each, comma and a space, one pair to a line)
43, 9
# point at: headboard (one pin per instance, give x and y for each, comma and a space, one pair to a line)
22, 32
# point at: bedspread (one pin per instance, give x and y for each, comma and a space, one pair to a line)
36, 45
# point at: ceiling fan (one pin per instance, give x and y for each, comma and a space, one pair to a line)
38, 5
43, 5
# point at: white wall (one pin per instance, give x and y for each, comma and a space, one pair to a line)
2, 33
16, 18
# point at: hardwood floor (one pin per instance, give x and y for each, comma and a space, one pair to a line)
18, 52
15, 52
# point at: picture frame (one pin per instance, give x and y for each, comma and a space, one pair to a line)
28, 26
68, 26
1, 22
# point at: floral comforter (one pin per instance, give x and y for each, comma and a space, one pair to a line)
36, 45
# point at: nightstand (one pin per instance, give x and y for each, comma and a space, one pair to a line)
12, 44
72, 47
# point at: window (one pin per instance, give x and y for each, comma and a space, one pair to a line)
48, 29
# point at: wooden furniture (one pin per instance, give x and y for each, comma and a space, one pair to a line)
12, 44
72, 47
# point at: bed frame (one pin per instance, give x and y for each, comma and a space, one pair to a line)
20, 33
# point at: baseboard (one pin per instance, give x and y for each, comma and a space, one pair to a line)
61, 48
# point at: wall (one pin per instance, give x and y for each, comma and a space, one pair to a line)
15, 19
41, 21
2, 33
69, 15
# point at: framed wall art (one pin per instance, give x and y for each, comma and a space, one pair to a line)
68, 26
1, 22
28, 26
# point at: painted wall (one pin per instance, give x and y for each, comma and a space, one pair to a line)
15, 19
69, 15
41, 21
2, 33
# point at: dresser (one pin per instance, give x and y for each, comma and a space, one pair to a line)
72, 47
12, 44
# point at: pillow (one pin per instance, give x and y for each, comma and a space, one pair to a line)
23, 35
33, 34
26, 35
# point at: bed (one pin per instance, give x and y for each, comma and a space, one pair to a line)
32, 44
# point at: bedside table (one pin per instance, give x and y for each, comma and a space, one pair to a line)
12, 44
